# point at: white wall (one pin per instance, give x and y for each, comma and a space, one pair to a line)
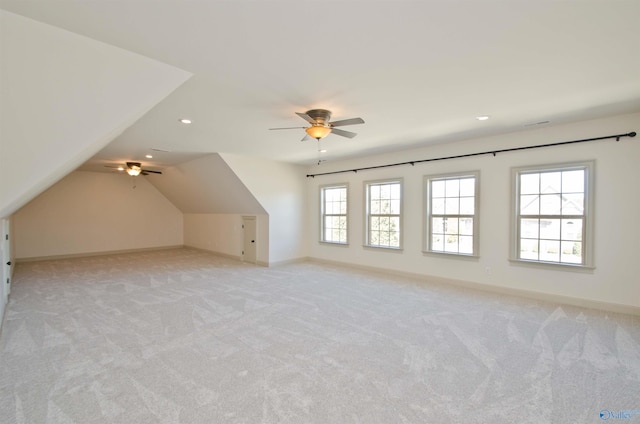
280, 189
91, 212
223, 234
617, 226
63, 97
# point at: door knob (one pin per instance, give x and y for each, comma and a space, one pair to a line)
9, 263
253, 241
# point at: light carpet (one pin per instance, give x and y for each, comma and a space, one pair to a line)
182, 336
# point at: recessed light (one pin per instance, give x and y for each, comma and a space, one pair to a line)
323, 151
185, 121
120, 168
482, 117
148, 156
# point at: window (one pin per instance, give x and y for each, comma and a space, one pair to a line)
333, 201
451, 220
384, 200
552, 221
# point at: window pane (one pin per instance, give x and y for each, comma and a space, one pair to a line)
573, 181
529, 249
550, 204
395, 191
437, 225
451, 225
385, 206
395, 207
550, 250
466, 226
437, 206
437, 242
375, 207
437, 188
572, 229
530, 205
451, 244
529, 183
374, 191
529, 228
467, 205
452, 188
573, 204
385, 192
550, 182
451, 206
571, 252
550, 229
467, 186
466, 244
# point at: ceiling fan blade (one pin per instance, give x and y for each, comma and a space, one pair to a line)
343, 133
306, 117
352, 121
114, 166
287, 128
148, 171
305, 138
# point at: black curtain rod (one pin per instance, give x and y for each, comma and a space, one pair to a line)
488, 152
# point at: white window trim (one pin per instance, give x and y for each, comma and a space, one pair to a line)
366, 213
426, 242
588, 235
322, 214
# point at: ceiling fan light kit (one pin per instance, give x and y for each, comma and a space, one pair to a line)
318, 131
134, 169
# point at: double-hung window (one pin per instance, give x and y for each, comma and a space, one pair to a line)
384, 219
552, 214
333, 225
451, 213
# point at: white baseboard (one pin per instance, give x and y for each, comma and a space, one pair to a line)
213, 252
546, 297
101, 253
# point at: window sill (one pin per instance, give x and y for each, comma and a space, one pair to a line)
381, 248
333, 243
447, 255
553, 265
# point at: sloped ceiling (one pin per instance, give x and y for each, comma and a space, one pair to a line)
206, 185
63, 98
417, 72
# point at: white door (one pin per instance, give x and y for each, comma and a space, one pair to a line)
6, 260
249, 240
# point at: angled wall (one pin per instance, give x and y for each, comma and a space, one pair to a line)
213, 200
63, 98
280, 188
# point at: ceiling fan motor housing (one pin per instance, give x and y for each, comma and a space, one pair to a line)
321, 116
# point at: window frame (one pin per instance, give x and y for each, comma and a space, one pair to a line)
323, 214
367, 213
587, 236
427, 215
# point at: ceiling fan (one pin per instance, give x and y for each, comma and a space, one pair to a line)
134, 169
321, 126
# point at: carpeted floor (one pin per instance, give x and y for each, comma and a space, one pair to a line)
181, 336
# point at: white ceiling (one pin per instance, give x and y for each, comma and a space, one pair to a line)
417, 72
